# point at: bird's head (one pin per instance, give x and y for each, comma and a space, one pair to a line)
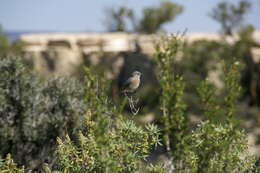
136, 73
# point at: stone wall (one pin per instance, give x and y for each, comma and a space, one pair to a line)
62, 53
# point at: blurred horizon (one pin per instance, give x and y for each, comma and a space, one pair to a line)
88, 16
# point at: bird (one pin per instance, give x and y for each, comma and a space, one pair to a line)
132, 83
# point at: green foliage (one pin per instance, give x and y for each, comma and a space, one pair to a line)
242, 47
121, 149
109, 142
214, 146
202, 58
34, 112
153, 18
215, 138
207, 95
217, 148
117, 18
7, 48
171, 103
198, 60
232, 86
4, 44
242, 50
151, 21
8, 166
199, 57
230, 16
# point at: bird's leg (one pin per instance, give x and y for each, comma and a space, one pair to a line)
132, 103
132, 106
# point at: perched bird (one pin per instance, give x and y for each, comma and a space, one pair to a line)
131, 85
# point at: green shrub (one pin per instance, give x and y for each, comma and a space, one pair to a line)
214, 146
120, 149
8, 48
217, 148
8, 166
33, 113
172, 106
109, 142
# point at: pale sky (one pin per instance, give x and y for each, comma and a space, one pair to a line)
89, 15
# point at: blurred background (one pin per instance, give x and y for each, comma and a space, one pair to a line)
61, 37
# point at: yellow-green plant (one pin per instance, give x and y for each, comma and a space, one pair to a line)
172, 106
214, 146
109, 142
7, 165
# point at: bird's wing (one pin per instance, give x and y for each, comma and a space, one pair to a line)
127, 83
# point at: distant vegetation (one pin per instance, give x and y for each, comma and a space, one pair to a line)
151, 21
7, 48
230, 16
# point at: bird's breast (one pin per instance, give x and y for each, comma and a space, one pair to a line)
135, 83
